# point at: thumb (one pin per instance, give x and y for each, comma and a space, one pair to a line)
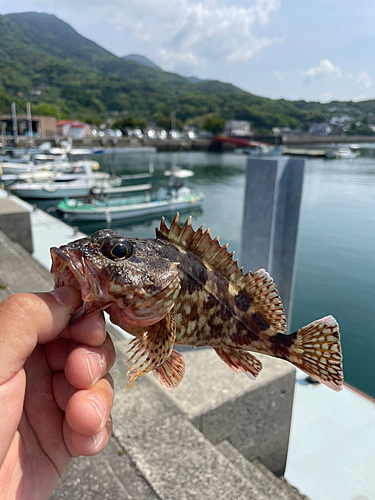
28, 318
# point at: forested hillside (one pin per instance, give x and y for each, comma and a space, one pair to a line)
45, 61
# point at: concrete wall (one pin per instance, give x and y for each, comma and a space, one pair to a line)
15, 223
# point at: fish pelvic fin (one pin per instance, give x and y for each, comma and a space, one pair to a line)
239, 360
316, 350
171, 372
150, 349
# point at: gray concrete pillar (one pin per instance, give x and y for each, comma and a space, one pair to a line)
270, 223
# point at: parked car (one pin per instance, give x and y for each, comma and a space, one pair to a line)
174, 134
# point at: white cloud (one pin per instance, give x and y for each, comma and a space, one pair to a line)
364, 79
325, 68
191, 32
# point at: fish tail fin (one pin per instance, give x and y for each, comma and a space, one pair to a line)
171, 372
316, 350
239, 360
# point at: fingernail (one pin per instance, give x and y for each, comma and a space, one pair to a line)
99, 407
94, 365
98, 438
64, 295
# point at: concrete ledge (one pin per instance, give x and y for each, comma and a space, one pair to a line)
19, 272
261, 477
15, 223
171, 453
111, 475
254, 416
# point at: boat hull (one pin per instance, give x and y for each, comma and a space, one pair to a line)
129, 212
43, 194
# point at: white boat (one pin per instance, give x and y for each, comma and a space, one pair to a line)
103, 207
75, 187
265, 150
181, 173
346, 153
14, 172
65, 171
14, 168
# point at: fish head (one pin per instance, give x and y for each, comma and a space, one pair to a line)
131, 278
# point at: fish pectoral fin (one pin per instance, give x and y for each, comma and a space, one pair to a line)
155, 306
239, 360
172, 371
316, 350
150, 349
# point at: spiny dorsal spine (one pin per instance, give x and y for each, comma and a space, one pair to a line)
257, 287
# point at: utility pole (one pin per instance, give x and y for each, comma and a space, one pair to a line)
3, 128
28, 113
14, 118
173, 120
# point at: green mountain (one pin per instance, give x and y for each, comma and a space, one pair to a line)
78, 78
141, 60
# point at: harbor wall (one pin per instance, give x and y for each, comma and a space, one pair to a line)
305, 139
176, 145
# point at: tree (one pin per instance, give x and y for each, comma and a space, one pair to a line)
45, 109
130, 122
215, 124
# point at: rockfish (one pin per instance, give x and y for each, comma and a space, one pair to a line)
183, 287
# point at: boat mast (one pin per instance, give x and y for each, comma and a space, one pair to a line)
28, 114
14, 118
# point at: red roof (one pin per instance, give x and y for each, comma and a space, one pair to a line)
73, 123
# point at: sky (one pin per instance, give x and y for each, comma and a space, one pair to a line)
319, 50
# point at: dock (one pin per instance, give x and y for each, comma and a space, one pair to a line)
307, 153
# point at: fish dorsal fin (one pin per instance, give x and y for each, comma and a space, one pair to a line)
257, 288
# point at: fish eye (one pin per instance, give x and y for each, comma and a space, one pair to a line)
117, 248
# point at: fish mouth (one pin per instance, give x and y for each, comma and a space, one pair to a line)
69, 268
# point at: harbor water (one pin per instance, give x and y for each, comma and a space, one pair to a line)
335, 261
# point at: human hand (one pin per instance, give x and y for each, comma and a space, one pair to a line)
55, 390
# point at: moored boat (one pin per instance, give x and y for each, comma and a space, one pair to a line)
114, 204
265, 150
347, 153
70, 184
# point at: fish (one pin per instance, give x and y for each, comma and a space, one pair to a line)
183, 287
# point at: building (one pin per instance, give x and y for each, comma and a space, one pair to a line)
237, 128
73, 129
320, 129
42, 126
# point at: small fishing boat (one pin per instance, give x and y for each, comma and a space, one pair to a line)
65, 171
16, 168
347, 153
127, 203
73, 184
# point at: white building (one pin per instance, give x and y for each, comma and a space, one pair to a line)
74, 129
237, 128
